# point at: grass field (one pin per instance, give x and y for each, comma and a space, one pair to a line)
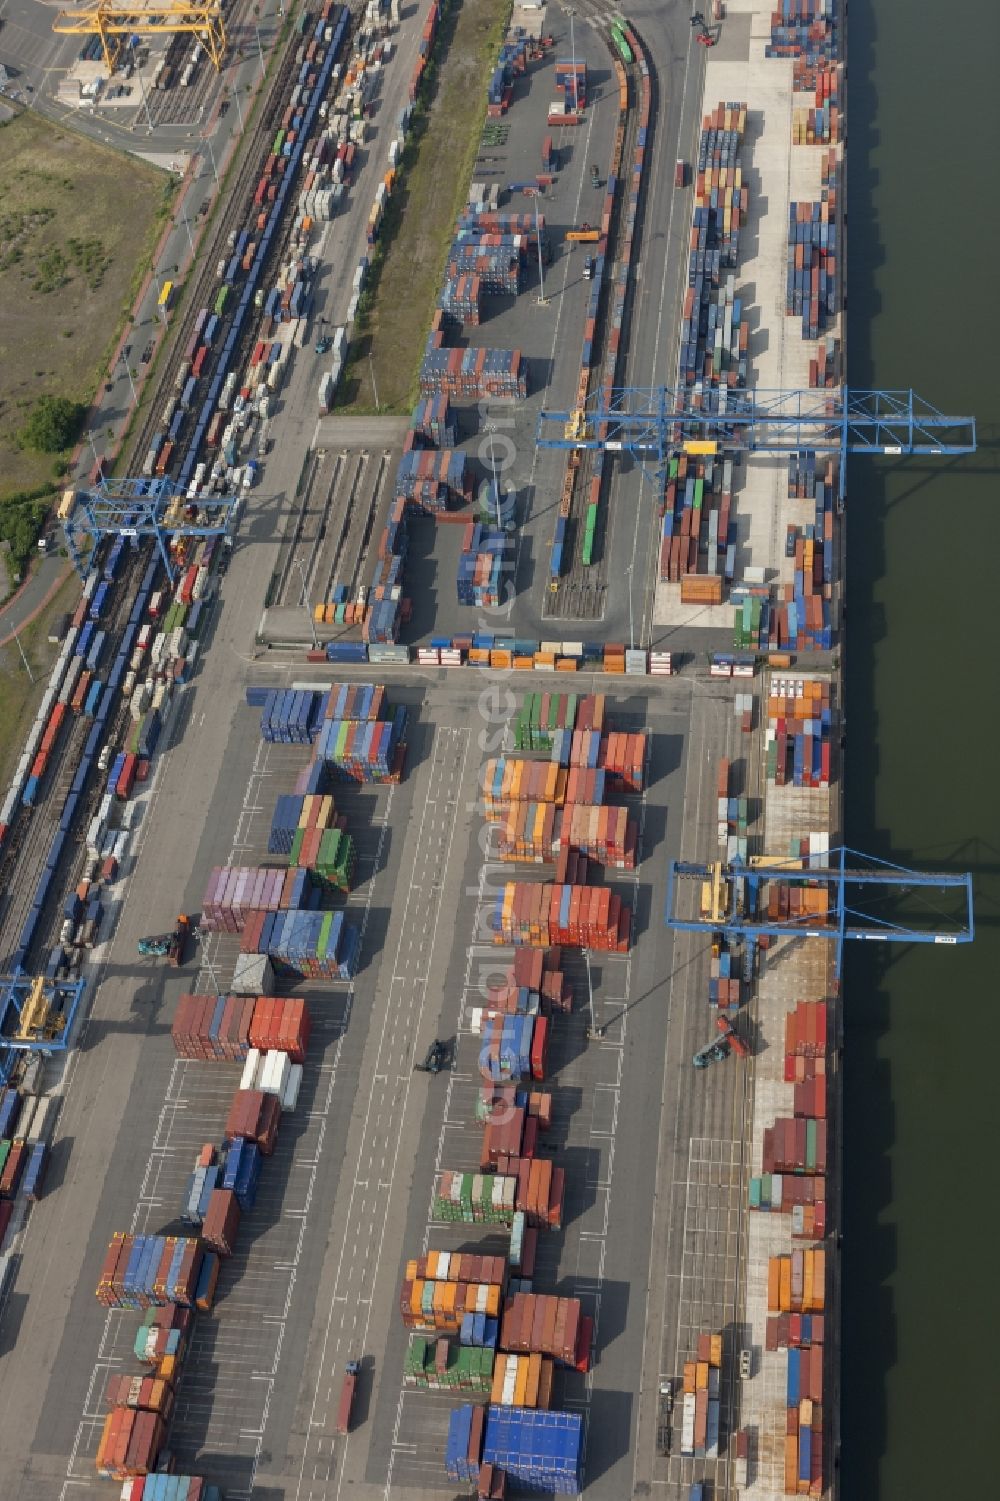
420, 218
19, 697
77, 226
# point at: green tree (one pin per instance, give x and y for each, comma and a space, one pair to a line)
53, 424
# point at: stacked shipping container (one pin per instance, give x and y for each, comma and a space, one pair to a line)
483, 566
701, 1398
799, 732
582, 916
540, 1450
226, 1028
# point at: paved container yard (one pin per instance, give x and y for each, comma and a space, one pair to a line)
657, 1239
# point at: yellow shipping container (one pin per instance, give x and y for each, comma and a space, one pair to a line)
534, 1380
432, 1265
785, 1296
715, 1356
774, 1284
690, 1370
701, 1376
521, 1382
496, 1390
410, 1275
791, 1464
523, 664
565, 664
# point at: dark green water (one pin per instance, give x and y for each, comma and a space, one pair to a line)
922, 1071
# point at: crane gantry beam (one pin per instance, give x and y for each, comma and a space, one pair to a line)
110, 21
156, 508
733, 900
656, 422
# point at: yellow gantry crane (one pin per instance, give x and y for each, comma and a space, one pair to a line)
38, 1020
110, 22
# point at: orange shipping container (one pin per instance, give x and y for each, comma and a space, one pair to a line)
785, 1295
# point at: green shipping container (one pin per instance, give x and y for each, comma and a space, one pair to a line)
324, 933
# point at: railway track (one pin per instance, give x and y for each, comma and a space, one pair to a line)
176, 105
23, 858
25, 851
230, 215
330, 541
583, 588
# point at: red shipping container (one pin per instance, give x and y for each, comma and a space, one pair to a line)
539, 1047
222, 1221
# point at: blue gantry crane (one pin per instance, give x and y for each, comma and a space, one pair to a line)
654, 423
733, 899
157, 508
36, 1015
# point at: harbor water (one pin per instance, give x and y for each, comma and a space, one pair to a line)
922, 1217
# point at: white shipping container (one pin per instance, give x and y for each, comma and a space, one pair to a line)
70, 681
250, 1068
253, 975
290, 1098
687, 1423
